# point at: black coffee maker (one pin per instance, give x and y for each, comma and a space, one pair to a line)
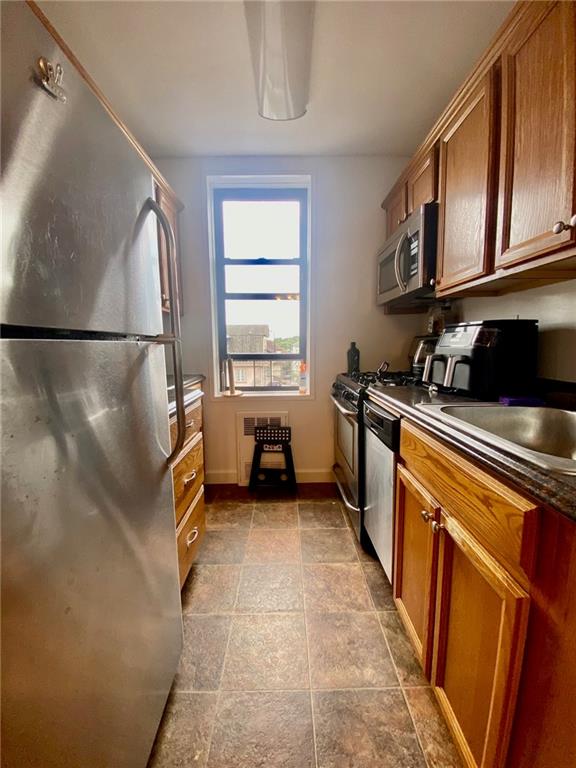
486, 359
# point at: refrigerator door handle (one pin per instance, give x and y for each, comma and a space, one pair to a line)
174, 338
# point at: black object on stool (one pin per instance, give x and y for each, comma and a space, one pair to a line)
272, 440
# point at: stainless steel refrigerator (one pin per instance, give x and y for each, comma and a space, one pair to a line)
91, 616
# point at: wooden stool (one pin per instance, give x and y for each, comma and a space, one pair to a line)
272, 440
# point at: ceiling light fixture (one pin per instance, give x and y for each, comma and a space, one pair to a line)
280, 36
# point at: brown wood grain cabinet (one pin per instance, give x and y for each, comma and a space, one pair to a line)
171, 207
537, 185
507, 170
415, 553
418, 185
464, 543
479, 633
188, 481
395, 206
467, 201
422, 181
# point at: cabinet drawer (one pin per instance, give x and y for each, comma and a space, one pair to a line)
504, 521
190, 534
193, 424
188, 476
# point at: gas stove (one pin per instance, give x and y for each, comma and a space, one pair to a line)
361, 380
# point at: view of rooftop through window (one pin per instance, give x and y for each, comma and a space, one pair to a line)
261, 265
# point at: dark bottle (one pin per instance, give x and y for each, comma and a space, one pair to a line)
353, 358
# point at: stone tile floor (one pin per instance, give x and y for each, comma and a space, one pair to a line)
294, 655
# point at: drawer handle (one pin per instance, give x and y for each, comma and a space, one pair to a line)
192, 536
190, 478
426, 516
437, 527
190, 424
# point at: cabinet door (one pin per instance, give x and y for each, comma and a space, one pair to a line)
422, 182
415, 552
395, 209
480, 628
171, 211
537, 171
467, 163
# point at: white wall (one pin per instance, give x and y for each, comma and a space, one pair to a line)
555, 307
347, 229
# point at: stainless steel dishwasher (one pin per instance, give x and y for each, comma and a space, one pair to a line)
382, 443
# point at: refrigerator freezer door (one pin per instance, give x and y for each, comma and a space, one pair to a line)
91, 614
78, 249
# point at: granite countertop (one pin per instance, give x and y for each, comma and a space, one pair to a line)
550, 488
190, 393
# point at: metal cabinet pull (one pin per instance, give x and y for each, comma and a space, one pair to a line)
190, 477
561, 226
189, 424
192, 536
437, 527
174, 338
426, 516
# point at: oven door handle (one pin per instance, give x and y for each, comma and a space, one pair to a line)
347, 503
401, 284
343, 411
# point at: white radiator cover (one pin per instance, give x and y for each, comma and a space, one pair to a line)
246, 421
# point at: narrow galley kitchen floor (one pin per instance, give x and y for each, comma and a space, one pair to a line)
294, 656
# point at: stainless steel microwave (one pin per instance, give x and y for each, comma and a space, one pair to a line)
407, 262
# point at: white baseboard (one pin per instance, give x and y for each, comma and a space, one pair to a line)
223, 476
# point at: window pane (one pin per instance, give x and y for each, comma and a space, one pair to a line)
261, 229
254, 326
262, 279
267, 373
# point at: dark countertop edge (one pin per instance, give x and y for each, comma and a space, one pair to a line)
556, 491
189, 397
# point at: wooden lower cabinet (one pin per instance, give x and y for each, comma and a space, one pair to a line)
464, 602
415, 554
189, 535
480, 629
188, 482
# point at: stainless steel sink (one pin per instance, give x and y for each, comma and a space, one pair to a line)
544, 436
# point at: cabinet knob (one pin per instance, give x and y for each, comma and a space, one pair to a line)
426, 516
437, 527
432, 282
190, 478
561, 226
192, 536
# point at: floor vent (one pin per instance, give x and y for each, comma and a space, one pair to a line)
246, 421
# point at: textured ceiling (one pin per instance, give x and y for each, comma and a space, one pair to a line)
179, 73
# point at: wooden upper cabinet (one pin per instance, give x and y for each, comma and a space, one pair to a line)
422, 182
537, 169
395, 209
415, 550
480, 630
170, 208
467, 163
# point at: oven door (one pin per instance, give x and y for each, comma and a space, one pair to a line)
346, 459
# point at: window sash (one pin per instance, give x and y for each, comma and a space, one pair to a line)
221, 195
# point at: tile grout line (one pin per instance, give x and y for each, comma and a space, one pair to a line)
401, 689
393, 660
307, 650
220, 690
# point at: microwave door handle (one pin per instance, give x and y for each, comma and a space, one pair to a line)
401, 284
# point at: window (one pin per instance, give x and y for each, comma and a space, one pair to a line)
261, 281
